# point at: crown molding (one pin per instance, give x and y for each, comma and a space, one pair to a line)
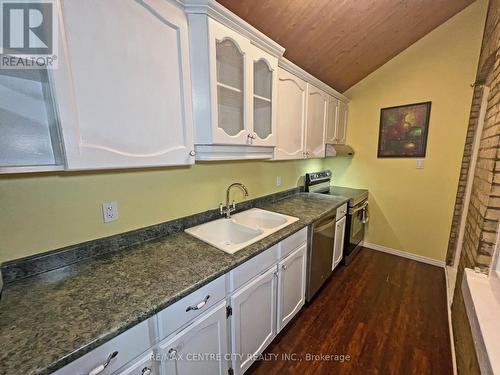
301, 73
216, 11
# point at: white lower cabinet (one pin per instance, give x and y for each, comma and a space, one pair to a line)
291, 285
253, 320
115, 354
200, 348
143, 366
223, 325
268, 300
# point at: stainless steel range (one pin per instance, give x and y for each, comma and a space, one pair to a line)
357, 218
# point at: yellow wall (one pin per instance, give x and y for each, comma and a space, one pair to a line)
411, 210
44, 212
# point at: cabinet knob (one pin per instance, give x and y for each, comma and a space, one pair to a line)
283, 267
192, 153
146, 371
251, 136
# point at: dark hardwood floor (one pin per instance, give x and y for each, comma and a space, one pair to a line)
387, 313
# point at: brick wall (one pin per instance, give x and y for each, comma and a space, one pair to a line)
464, 172
484, 208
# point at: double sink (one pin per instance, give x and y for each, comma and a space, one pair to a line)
240, 230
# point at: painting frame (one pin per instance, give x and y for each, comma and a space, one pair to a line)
384, 151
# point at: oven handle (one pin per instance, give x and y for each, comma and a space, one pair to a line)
354, 210
366, 218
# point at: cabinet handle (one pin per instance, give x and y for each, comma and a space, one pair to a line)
251, 136
198, 305
283, 267
101, 368
192, 153
146, 371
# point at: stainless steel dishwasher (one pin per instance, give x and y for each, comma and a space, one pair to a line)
320, 254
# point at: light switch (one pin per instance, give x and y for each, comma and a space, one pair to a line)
420, 163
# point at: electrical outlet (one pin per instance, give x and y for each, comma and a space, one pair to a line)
420, 163
278, 180
110, 211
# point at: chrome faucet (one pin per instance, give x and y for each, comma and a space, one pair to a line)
228, 209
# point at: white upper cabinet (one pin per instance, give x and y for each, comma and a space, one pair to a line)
317, 104
265, 93
123, 84
310, 114
337, 121
291, 118
341, 128
230, 69
332, 120
235, 80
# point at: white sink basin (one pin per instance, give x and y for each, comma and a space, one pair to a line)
257, 218
241, 230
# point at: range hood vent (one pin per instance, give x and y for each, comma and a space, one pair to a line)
339, 150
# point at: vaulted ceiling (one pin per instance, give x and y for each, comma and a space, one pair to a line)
342, 41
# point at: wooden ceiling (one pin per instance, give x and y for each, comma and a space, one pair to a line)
342, 41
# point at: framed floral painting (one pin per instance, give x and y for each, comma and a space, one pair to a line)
403, 131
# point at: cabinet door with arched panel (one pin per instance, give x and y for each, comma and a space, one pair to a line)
341, 130
124, 88
264, 98
291, 117
317, 104
231, 80
332, 120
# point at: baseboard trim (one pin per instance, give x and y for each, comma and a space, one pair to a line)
450, 324
404, 254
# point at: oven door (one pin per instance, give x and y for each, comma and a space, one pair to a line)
358, 217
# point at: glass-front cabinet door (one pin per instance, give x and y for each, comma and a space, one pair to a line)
230, 112
29, 129
264, 99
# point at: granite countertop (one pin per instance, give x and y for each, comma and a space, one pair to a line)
52, 319
350, 193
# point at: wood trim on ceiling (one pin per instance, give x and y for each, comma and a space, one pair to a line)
341, 42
